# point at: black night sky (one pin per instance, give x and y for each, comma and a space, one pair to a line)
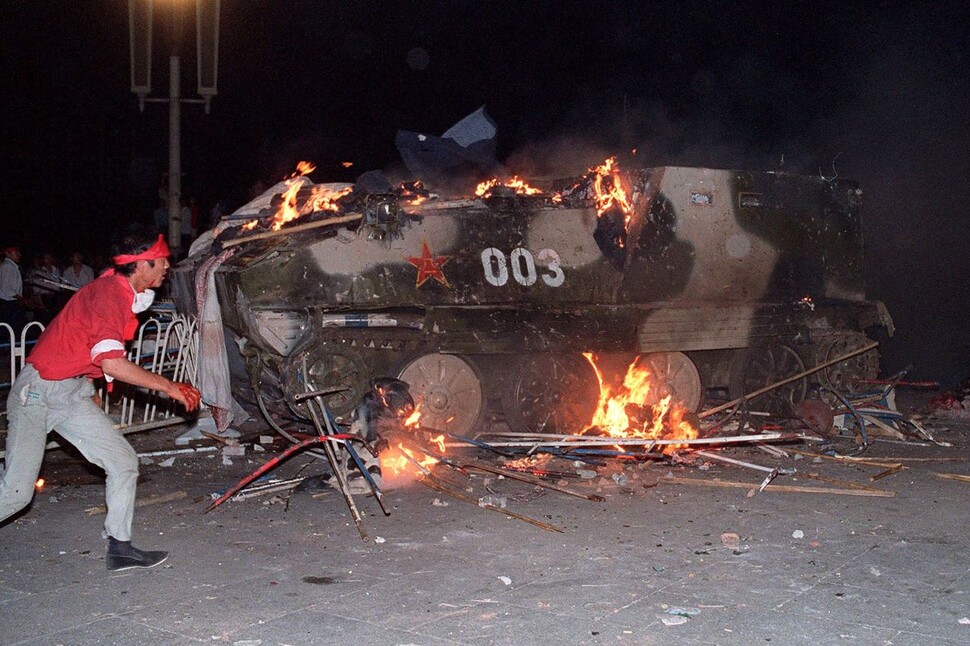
877, 92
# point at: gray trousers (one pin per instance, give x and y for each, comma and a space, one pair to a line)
34, 408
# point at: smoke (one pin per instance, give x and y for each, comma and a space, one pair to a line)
562, 157
905, 138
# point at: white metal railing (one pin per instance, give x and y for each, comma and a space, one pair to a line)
166, 344
16, 348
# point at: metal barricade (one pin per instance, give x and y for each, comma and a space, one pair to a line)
166, 344
14, 349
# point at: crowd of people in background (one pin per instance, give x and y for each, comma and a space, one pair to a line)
38, 289
36, 284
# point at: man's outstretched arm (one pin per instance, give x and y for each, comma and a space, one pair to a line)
126, 371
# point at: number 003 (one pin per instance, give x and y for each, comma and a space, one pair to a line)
522, 265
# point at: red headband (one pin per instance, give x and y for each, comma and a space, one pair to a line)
154, 252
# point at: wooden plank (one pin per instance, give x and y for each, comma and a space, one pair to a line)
952, 476
841, 483
874, 493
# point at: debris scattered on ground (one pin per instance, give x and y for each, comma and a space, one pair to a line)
683, 612
945, 402
234, 448
155, 454
459, 467
674, 621
493, 501
269, 486
676, 616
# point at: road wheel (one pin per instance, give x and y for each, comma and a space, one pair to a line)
551, 393
674, 373
760, 366
329, 367
447, 389
849, 376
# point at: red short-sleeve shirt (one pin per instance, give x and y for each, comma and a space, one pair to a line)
93, 326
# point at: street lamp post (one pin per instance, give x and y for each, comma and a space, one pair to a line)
140, 17
174, 154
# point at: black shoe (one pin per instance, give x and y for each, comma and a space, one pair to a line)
122, 555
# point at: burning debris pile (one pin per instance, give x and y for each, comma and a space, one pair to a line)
625, 429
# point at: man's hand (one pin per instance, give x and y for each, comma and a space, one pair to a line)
121, 368
188, 395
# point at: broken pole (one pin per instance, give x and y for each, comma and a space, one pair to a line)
431, 482
951, 476
476, 443
539, 482
873, 493
293, 229
888, 472
742, 463
841, 483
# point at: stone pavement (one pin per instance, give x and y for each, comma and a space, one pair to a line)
647, 566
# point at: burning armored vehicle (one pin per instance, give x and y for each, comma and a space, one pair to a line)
486, 304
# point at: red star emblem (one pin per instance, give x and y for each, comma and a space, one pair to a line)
429, 266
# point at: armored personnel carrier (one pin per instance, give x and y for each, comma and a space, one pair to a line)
717, 279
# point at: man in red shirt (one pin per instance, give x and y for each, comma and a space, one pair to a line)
86, 341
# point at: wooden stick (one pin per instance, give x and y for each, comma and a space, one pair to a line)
771, 450
788, 380
888, 472
144, 502
218, 438
515, 475
911, 459
431, 483
884, 427
350, 217
848, 459
952, 476
878, 493
841, 483
742, 463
